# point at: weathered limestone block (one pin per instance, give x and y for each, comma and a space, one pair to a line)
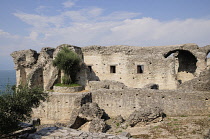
144, 115
98, 125
24, 58
67, 89
89, 111
82, 99
106, 84
85, 113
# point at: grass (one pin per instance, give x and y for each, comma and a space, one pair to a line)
67, 85
183, 116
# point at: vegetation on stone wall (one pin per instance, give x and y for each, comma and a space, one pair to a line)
68, 62
16, 107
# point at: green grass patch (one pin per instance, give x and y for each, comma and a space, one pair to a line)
183, 116
67, 85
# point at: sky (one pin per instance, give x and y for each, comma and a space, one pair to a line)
33, 24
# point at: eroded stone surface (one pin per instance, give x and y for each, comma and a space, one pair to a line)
68, 133
144, 115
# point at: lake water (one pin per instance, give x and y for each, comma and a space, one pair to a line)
7, 77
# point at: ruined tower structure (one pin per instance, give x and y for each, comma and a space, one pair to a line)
136, 67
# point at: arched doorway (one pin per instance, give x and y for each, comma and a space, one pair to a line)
185, 64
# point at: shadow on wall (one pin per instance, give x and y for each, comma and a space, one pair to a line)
37, 79
91, 75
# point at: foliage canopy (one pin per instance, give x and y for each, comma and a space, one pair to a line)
16, 107
67, 61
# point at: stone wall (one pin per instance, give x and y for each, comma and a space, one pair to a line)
136, 67
167, 66
67, 89
58, 108
125, 101
174, 103
36, 69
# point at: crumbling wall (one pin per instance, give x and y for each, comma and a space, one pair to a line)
36, 69
139, 66
201, 83
124, 102
59, 107
133, 66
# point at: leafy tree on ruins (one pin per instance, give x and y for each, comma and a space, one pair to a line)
68, 62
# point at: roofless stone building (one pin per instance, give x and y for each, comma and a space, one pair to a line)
121, 79
136, 67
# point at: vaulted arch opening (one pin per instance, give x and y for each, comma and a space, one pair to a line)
185, 63
186, 60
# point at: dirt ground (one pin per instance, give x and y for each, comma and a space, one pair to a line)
183, 127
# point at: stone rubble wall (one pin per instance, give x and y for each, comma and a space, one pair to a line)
124, 102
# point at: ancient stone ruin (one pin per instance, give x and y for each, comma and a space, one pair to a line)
136, 67
135, 83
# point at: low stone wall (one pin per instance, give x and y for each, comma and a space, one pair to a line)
105, 84
67, 89
58, 107
173, 103
124, 102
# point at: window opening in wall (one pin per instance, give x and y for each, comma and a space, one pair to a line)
140, 68
112, 69
90, 68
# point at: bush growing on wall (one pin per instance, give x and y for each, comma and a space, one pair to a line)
17, 106
67, 61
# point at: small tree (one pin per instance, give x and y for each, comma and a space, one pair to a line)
16, 107
67, 61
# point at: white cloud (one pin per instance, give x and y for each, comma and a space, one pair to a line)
68, 4
33, 35
90, 26
41, 9
38, 21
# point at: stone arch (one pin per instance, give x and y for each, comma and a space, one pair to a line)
185, 63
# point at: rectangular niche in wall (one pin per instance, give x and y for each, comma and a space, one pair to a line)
112, 69
140, 68
90, 68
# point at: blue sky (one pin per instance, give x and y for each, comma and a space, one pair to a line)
33, 24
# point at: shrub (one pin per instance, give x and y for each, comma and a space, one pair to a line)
16, 107
67, 61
